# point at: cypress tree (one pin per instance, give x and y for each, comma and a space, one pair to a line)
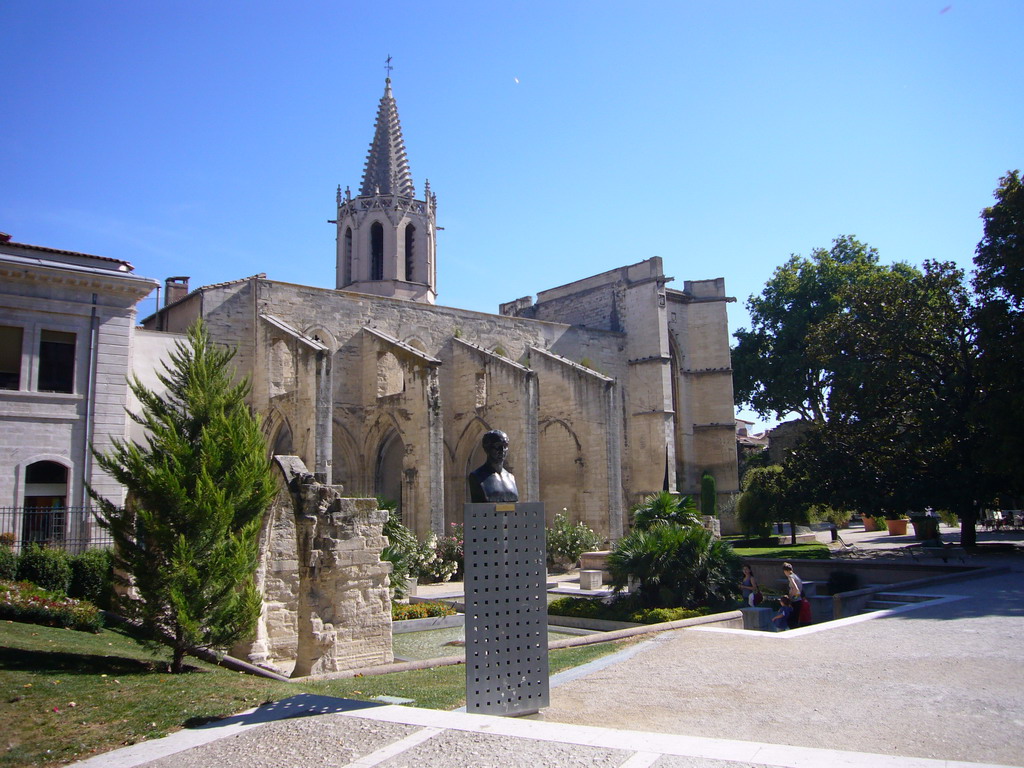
198, 486
708, 495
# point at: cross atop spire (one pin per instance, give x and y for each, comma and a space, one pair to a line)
388, 67
387, 168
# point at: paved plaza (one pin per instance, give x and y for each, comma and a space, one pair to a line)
935, 684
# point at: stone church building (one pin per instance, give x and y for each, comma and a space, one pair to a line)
609, 388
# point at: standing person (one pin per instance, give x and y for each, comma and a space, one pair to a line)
795, 591
781, 619
749, 586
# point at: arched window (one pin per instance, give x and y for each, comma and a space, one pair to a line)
348, 256
377, 251
410, 252
46, 497
387, 482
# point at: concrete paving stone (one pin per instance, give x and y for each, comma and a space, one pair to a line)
322, 740
481, 750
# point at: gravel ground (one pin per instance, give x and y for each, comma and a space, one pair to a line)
912, 684
323, 740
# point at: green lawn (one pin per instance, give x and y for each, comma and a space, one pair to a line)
788, 552
67, 695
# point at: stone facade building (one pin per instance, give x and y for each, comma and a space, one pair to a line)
609, 388
66, 322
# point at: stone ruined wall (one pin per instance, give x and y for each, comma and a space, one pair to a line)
276, 640
579, 461
424, 408
593, 302
703, 380
406, 392
631, 301
481, 391
650, 411
326, 601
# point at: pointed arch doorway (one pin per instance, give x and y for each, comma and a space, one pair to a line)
388, 474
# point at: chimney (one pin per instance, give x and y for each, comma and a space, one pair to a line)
175, 288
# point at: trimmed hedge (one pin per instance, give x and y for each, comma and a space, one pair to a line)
8, 564
47, 568
91, 577
619, 609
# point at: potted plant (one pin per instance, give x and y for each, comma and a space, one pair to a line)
872, 523
926, 526
897, 524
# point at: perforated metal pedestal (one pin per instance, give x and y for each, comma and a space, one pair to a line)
506, 609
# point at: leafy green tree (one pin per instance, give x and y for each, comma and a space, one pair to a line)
999, 281
770, 495
902, 431
773, 370
999, 257
664, 507
198, 488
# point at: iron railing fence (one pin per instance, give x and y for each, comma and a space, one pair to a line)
71, 528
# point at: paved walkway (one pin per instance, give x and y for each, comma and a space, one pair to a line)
941, 684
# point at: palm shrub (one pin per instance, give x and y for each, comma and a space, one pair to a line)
676, 566
198, 487
664, 507
566, 542
400, 549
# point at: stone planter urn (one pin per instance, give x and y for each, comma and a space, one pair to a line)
897, 527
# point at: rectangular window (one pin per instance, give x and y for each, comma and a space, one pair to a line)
56, 362
10, 357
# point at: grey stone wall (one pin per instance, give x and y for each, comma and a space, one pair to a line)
326, 604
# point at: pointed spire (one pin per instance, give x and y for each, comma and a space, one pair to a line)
387, 167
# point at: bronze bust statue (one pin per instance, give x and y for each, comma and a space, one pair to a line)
492, 482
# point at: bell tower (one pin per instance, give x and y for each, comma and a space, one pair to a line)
386, 237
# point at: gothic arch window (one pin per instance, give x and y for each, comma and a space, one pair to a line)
348, 255
387, 481
283, 443
377, 251
410, 252
561, 472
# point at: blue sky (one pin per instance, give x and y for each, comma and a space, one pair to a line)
561, 138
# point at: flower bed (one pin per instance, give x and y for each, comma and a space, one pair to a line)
22, 601
426, 610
